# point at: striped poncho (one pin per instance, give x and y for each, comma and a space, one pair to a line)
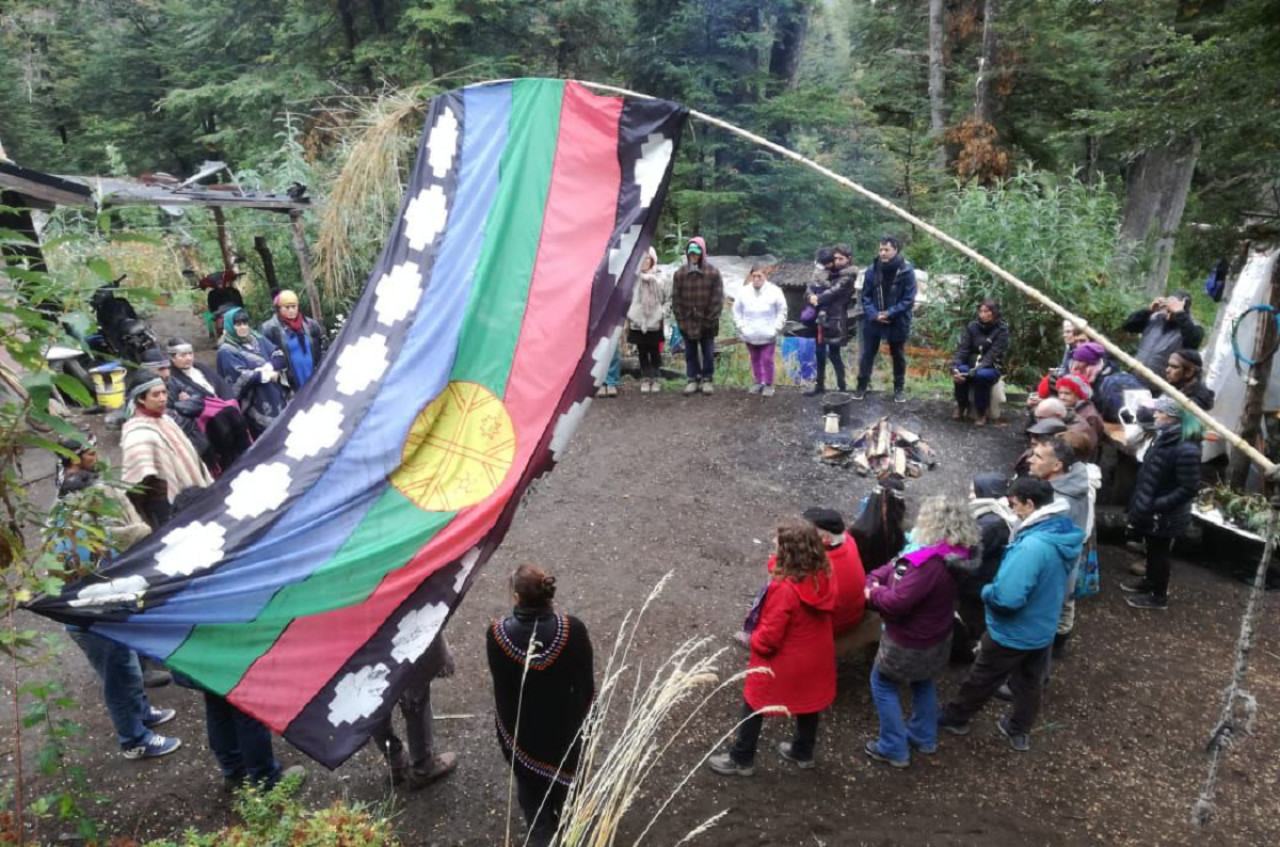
156, 446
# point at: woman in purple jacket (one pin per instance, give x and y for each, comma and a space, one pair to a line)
916, 596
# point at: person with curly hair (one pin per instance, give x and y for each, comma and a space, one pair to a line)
543, 687
916, 596
793, 658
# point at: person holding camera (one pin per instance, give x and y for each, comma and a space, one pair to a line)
1166, 327
977, 362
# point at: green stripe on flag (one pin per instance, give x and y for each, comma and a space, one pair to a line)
512, 234
394, 529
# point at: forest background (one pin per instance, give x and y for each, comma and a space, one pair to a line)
1104, 151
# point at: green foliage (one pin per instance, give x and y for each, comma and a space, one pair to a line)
276, 818
1055, 233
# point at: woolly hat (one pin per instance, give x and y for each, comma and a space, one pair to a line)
1078, 386
827, 520
1191, 357
1168, 406
286, 298
1089, 353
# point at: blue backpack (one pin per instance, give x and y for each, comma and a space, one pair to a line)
1216, 283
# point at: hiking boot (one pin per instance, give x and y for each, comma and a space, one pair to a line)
723, 764
953, 726
156, 678
767, 391
707, 387
980, 420
157, 717
1019, 741
154, 747
692, 387
755, 389
1136, 586
441, 766
960, 413
899, 396
784, 750
1004, 692
873, 752
1149, 602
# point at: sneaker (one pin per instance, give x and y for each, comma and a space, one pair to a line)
1136, 586
611, 390
814, 391
1133, 545
1019, 741
155, 747
953, 726
644, 386
441, 766
157, 717
922, 749
784, 749
742, 639
859, 394
655, 386
707, 387
692, 387
1004, 692
156, 678
755, 389
899, 396
723, 764
1138, 568
767, 391
873, 752
1148, 601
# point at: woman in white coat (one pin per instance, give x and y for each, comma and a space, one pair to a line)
759, 311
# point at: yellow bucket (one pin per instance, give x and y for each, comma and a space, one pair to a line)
108, 384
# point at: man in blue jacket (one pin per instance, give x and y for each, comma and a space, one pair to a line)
1023, 604
888, 296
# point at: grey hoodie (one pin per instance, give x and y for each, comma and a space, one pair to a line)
1073, 489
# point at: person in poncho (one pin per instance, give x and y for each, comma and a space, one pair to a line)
543, 686
159, 459
219, 415
252, 366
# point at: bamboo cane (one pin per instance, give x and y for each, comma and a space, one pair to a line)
1268, 467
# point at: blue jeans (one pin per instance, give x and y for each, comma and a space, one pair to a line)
700, 358
921, 730
122, 692
241, 744
982, 380
614, 376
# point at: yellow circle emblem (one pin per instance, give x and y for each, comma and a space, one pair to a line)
459, 449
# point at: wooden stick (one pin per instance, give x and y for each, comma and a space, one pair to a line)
1268, 467
220, 220
304, 263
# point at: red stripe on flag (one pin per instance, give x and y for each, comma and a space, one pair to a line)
577, 227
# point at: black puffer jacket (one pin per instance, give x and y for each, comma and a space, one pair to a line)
983, 345
834, 291
1168, 482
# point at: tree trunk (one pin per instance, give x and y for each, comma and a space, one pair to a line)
788, 46
1157, 186
268, 264
983, 104
1256, 389
937, 108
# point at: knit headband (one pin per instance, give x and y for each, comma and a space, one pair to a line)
143, 387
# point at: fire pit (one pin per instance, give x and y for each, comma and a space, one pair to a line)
881, 448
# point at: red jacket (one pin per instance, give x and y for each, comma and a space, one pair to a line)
851, 583
794, 640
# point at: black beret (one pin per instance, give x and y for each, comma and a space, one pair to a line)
827, 520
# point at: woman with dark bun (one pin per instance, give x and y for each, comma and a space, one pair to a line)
543, 686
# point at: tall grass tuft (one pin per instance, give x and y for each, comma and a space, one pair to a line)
651, 712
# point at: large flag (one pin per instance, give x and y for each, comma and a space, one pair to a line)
306, 583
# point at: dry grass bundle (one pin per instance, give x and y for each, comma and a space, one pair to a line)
612, 773
378, 142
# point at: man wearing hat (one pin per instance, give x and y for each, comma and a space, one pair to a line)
301, 338
1048, 422
1184, 371
159, 459
697, 298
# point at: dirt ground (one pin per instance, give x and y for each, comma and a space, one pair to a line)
695, 485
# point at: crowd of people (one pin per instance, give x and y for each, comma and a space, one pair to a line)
987, 577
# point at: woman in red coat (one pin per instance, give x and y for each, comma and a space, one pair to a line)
794, 641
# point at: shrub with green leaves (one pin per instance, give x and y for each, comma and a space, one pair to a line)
1055, 233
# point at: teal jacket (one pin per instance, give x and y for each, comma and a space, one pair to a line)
1025, 599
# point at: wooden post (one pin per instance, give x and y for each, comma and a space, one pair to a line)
268, 263
1255, 388
221, 220
304, 262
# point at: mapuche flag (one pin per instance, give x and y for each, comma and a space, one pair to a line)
305, 584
